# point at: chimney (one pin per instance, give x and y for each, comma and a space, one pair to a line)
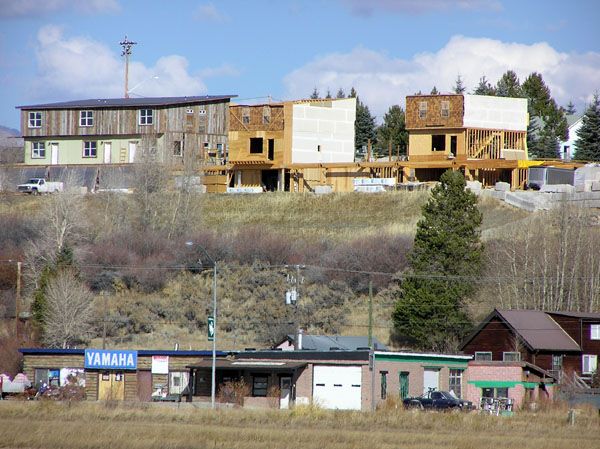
298, 345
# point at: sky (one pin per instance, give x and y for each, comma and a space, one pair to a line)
60, 50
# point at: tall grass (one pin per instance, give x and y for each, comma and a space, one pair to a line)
92, 425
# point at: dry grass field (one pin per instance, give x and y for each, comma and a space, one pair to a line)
91, 425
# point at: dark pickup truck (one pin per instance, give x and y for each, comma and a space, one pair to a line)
437, 400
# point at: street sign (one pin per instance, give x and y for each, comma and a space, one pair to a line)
211, 328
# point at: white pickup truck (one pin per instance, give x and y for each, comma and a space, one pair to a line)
40, 185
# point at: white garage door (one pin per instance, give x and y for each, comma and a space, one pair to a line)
337, 386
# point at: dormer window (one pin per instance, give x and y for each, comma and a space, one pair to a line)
445, 111
146, 117
422, 109
86, 118
35, 119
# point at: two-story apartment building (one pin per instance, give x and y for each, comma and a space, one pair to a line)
125, 130
558, 342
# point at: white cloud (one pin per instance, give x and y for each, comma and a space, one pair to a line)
382, 80
369, 7
208, 12
24, 8
79, 67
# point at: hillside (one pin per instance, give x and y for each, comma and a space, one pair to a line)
151, 301
11, 145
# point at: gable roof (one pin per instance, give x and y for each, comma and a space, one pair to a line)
537, 329
326, 342
584, 315
95, 103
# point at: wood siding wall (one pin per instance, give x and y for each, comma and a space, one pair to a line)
433, 117
125, 121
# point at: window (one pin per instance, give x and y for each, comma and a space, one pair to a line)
383, 384
455, 382
86, 118
483, 355
590, 363
595, 332
38, 150
494, 392
146, 116
35, 119
246, 116
438, 142
511, 356
202, 111
189, 111
177, 148
256, 145
220, 150
89, 149
557, 362
422, 109
319, 148
445, 111
404, 384
266, 115
259, 386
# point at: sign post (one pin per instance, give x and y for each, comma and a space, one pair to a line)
211, 328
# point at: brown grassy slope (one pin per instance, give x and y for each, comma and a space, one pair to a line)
84, 425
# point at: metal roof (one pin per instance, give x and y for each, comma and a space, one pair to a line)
327, 342
95, 103
584, 315
254, 365
305, 355
140, 352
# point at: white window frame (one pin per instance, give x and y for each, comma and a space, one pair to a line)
594, 331
479, 353
589, 363
455, 374
36, 149
422, 109
445, 109
504, 354
86, 118
88, 146
34, 119
146, 117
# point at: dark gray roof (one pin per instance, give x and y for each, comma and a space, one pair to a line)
585, 315
345, 343
539, 330
94, 103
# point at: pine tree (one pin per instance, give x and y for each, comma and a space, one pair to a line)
434, 91
340, 93
393, 130
459, 87
364, 125
446, 259
588, 136
484, 87
352, 93
509, 86
570, 109
328, 96
315, 94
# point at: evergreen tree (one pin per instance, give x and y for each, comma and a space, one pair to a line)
588, 136
434, 91
509, 86
315, 94
484, 87
548, 145
328, 96
393, 130
570, 110
364, 125
541, 104
459, 87
340, 93
352, 93
446, 258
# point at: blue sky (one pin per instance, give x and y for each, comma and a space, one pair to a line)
57, 50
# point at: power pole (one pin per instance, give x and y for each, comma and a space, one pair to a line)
104, 322
127, 46
371, 314
17, 299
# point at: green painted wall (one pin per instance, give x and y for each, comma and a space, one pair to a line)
421, 358
502, 383
70, 151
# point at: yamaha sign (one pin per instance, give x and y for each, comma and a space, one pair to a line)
110, 359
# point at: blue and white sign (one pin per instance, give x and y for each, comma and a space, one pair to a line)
110, 359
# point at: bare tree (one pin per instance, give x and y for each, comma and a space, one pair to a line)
69, 314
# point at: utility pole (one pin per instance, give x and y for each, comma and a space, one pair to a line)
214, 348
17, 299
104, 321
127, 46
371, 314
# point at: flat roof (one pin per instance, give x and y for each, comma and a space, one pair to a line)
95, 103
425, 354
246, 364
140, 352
302, 354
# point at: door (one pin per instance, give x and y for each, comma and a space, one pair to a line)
111, 386
337, 387
144, 385
132, 148
403, 385
285, 387
107, 152
54, 153
431, 380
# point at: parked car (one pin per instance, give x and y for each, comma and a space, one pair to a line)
437, 400
40, 185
